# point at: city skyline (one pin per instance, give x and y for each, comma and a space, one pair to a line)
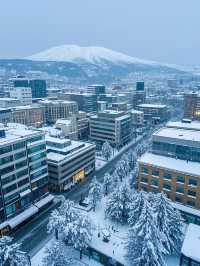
163, 32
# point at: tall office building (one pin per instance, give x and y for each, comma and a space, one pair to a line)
140, 86
23, 175
96, 89
139, 95
192, 106
87, 102
112, 126
38, 86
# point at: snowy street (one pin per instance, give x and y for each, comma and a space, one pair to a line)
34, 235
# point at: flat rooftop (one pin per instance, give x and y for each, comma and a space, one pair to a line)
74, 147
18, 133
191, 244
168, 163
149, 105
193, 125
169, 133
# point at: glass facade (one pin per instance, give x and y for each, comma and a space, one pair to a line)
178, 151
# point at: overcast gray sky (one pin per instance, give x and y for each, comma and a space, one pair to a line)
160, 30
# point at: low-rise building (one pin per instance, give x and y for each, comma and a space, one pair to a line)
179, 179
112, 126
9, 102
190, 255
30, 115
5, 115
68, 162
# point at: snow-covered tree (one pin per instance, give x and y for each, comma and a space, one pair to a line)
115, 179
68, 211
10, 253
144, 246
81, 233
56, 223
107, 150
136, 206
168, 222
95, 193
132, 158
117, 205
56, 255
58, 218
107, 183
125, 164
134, 175
120, 170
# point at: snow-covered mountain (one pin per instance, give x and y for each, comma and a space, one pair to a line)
89, 54
86, 64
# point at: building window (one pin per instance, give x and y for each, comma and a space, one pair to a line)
167, 186
167, 176
21, 164
155, 172
191, 203
154, 182
192, 193
11, 209
180, 190
144, 179
145, 170
178, 199
5, 149
37, 138
6, 160
180, 179
9, 189
19, 145
20, 155
192, 182
7, 170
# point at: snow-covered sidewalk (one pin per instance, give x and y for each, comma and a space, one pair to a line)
71, 253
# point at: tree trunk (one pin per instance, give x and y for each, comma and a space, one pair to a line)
56, 234
81, 253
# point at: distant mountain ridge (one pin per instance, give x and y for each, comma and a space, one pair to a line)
86, 64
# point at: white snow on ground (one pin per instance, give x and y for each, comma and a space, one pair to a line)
99, 162
37, 258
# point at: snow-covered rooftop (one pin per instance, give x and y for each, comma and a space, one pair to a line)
194, 125
182, 166
178, 134
148, 105
136, 112
191, 242
16, 133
